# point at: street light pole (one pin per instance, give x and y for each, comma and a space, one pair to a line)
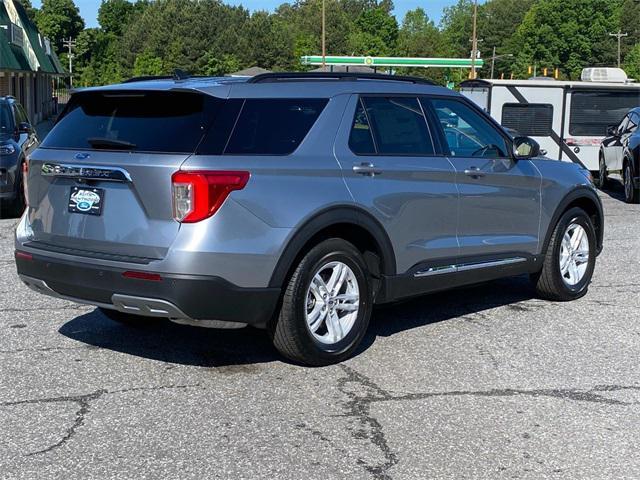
619, 36
495, 57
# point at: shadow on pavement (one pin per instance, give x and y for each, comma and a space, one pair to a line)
179, 344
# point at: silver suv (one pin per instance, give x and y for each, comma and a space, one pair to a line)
294, 203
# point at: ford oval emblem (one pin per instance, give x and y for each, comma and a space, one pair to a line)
82, 156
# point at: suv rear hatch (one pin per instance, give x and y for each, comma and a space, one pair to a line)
100, 184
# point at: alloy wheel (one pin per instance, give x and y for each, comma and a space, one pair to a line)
332, 302
574, 254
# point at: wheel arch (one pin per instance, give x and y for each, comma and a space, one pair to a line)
349, 222
586, 199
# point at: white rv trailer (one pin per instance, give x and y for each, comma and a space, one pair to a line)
568, 119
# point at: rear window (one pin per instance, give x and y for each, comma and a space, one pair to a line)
273, 126
592, 112
134, 121
531, 120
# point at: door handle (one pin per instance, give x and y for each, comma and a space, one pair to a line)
366, 168
474, 172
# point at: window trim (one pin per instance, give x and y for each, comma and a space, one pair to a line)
526, 106
417, 97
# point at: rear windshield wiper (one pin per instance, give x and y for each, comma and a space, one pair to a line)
98, 142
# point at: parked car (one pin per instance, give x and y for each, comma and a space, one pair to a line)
295, 203
17, 139
619, 154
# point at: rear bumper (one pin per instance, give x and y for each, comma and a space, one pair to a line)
190, 297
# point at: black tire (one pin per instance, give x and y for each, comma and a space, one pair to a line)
138, 321
631, 193
291, 334
602, 177
549, 282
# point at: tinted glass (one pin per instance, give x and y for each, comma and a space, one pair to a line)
6, 119
632, 125
532, 120
138, 121
360, 139
466, 132
592, 112
218, 134
273, 126
398, 125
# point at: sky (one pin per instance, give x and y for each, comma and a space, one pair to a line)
89, 8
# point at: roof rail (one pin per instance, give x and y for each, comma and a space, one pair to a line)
301, 76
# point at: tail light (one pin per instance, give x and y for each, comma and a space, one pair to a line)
199, 194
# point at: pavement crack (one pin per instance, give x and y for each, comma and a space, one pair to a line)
591, 396
84, 406
359, 404
359, 407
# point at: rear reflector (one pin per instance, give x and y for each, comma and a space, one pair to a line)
199, 194
24, 255
152, 277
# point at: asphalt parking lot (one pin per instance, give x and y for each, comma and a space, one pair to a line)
486, 382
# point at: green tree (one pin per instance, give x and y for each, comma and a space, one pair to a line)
632, 62
115, 15
568, 34
418, 36
497, 22
630, 24
148, 64
456, 26
59, 19
378, 30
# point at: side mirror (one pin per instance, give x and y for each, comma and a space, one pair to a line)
525, 147
612, 131
24, 127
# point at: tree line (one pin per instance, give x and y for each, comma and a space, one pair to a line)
209, 37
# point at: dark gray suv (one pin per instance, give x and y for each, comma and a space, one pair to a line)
17, 139
295, 203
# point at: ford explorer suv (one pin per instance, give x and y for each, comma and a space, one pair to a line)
17, 139
294, 203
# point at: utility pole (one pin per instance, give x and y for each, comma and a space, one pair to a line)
495, 57
474, 41
70, 43
324, 35
619, 36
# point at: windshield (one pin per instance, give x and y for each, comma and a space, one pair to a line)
6, 120
171, 122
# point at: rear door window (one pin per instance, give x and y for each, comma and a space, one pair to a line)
398, 125
167, 122
273, 126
